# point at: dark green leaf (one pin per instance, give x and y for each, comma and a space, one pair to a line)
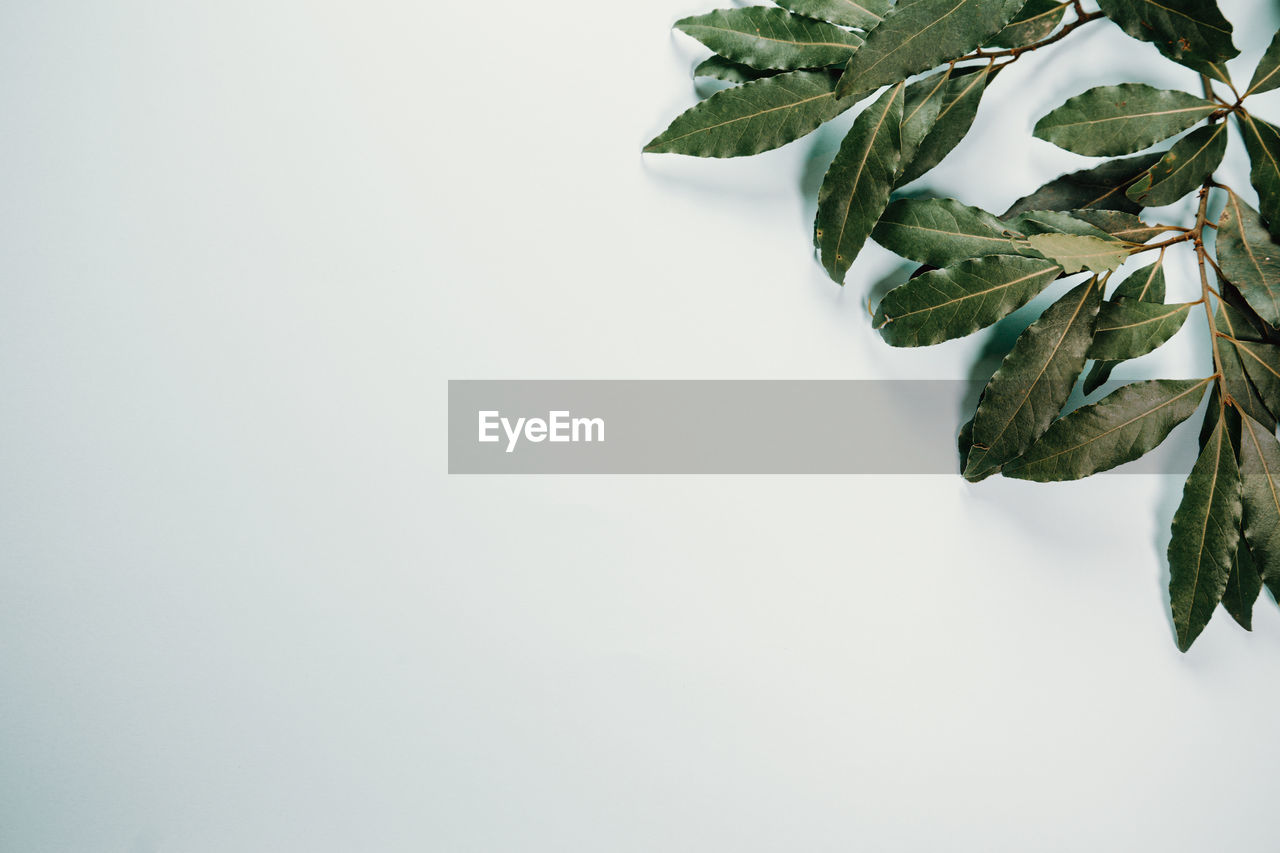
953, 302
1206, 531
754, 117
1119, 428
1262, 141
1249, 259
1055, 222
1129, 328
1249, 326
1267, 75
1146, 284
1234, 375
1190, 32
1121, 119
1122, 226
964, 441
763, 37
957, 103
850, 13
922, 102
856, 188
941, 231
1034, 381
1244, 585
1183, 167
729, 71
1036, 20
1262, 366
919, 35
1099, 188
1260, 485
1075, 252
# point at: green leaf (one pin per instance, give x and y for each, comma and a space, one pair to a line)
1076, 252
1146, 284
856, 188
757, 116
764, 37
729, 71
1034, 381
1100, 188
1122, 226
1117, 429
1262, 366
1183, 168
1129, 328
1249, 259
1036, 20
1206, 531
1262, 141
1055, 222
928, 138
1260, 484
919, 35
1121, 119
950, 303
1235, 376
1244, 585
1190, 32
941, 231
1267, 75
849, 13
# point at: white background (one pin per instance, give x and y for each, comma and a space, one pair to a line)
244, 608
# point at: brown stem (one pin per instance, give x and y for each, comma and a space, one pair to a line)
1013, 53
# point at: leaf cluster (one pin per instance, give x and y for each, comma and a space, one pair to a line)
919, 70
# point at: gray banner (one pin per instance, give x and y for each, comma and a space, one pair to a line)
724, 427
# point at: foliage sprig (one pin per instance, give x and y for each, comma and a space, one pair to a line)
921, 69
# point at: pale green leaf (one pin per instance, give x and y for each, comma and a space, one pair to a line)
1075, 252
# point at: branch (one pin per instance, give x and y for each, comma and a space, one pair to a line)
1013, 53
